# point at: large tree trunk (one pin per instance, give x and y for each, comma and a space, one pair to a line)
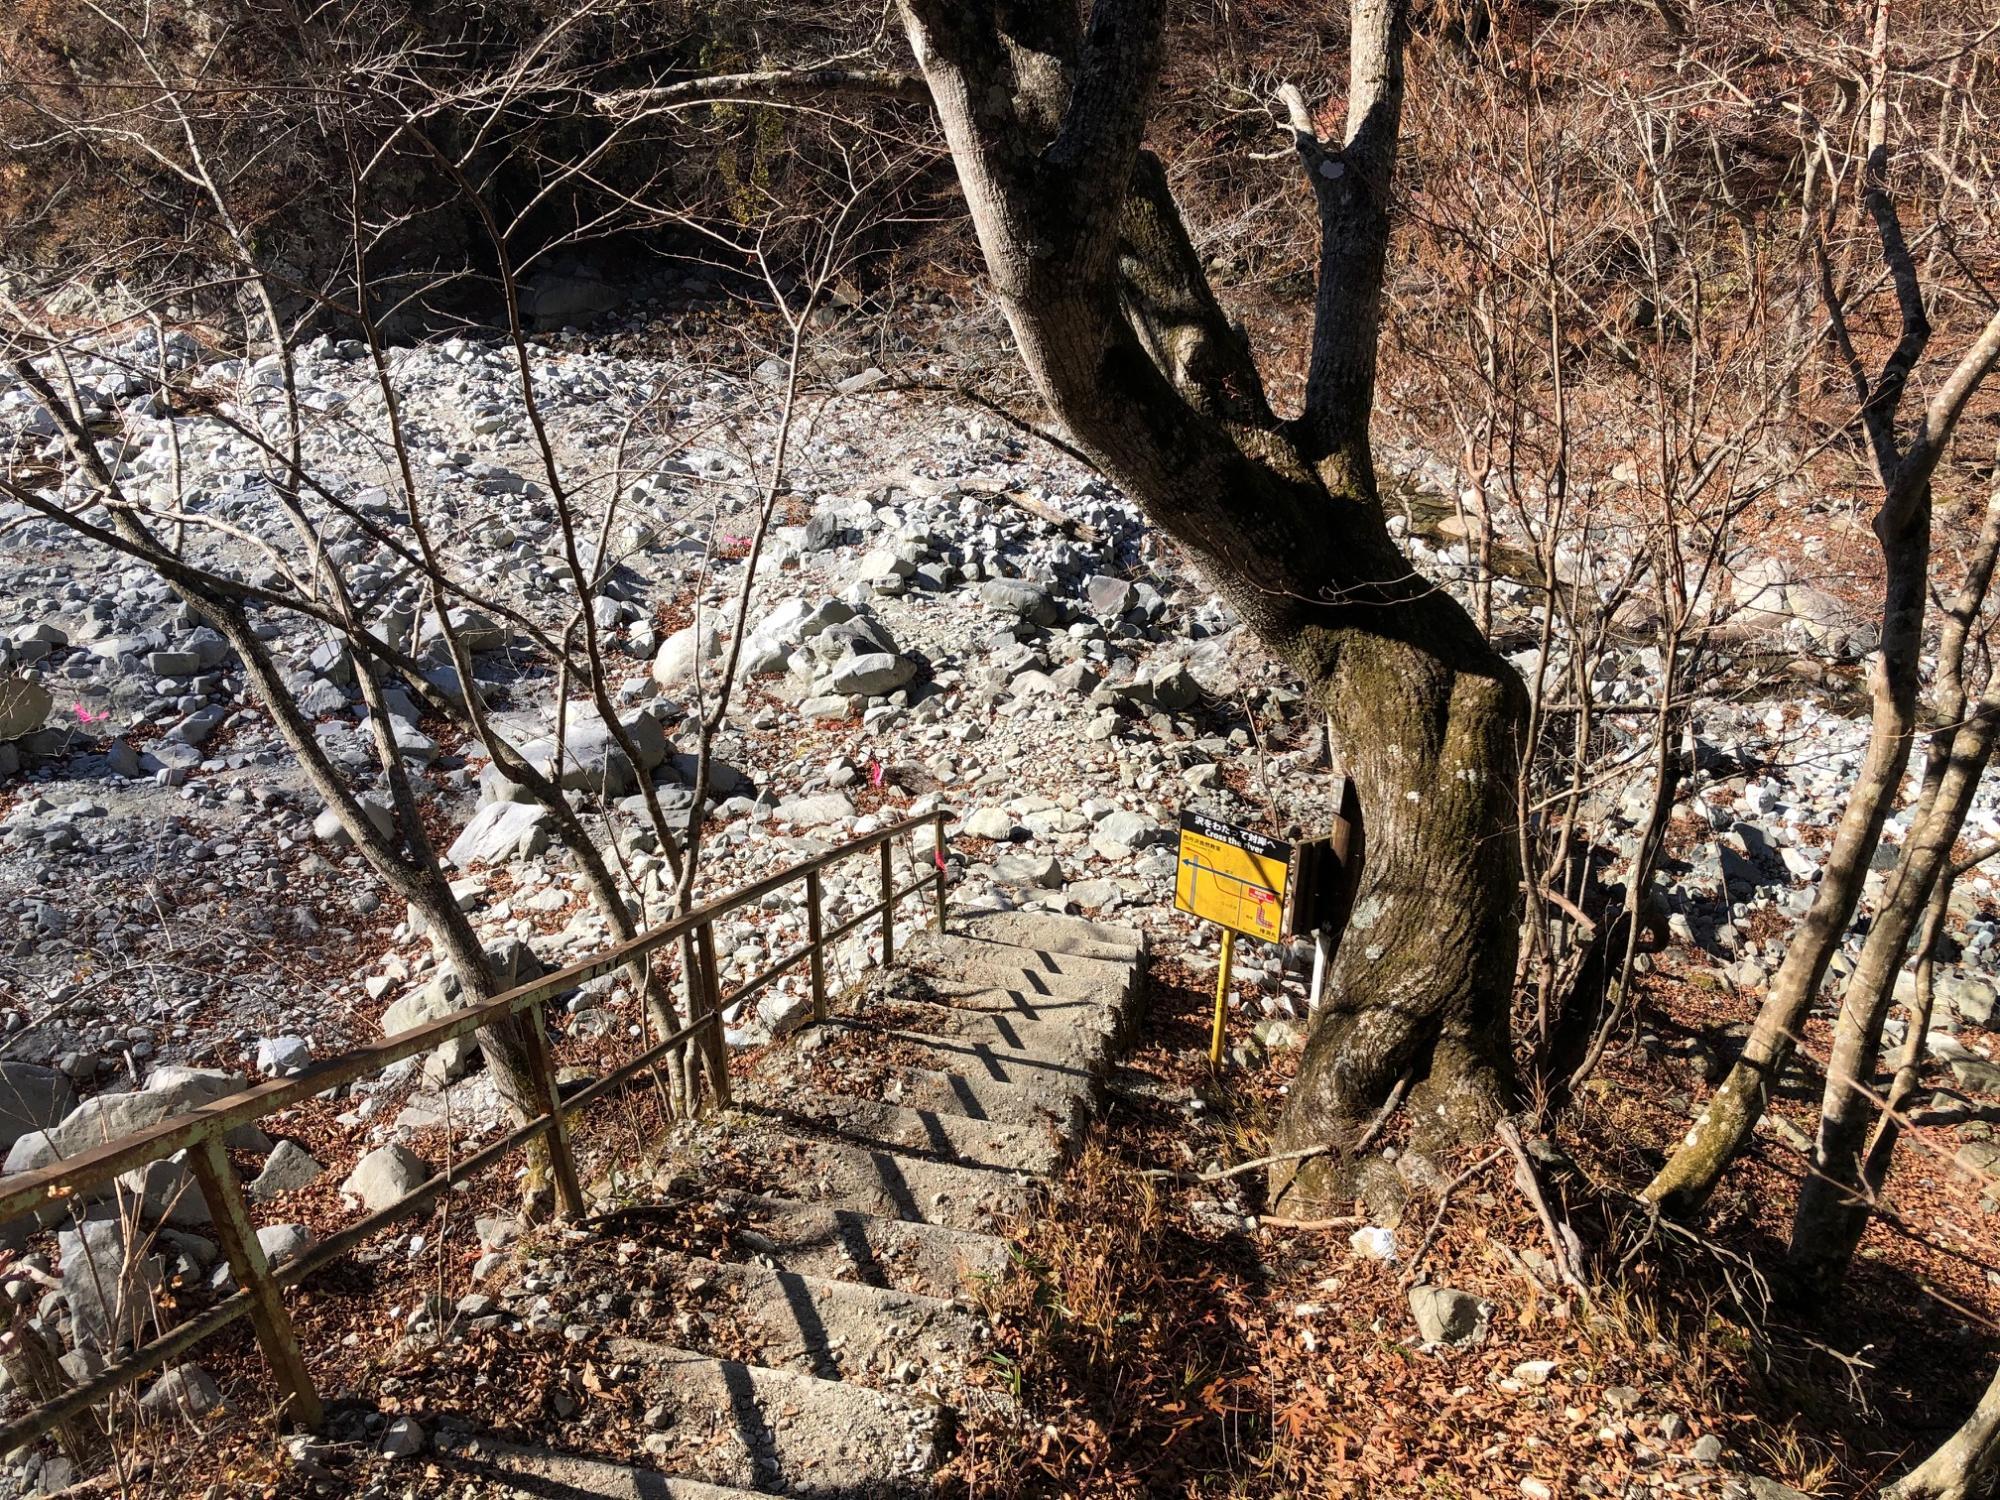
1123, 336
1424, 979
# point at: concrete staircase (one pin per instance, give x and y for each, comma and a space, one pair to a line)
894, 1141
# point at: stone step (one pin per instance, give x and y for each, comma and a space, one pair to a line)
972, 1035
793, 1097
812, 1325
998, 1082
1050, 934
1016, 1022
542, 1474
1033, 1096
1096, 1009
852, 1060
734, 1424
950, 959
885, 1183
1089, 1011
840, 1244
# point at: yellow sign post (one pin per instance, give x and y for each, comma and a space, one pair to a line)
1236, 878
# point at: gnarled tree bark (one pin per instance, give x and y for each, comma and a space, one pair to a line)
1125, 339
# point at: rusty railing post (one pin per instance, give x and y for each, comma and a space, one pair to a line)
937, 882
712, 1043
279, 1340
888, 902
569, 1192
815, 926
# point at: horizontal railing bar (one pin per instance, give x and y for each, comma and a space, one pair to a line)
44, 1418
31, 1190
111, 1378
922, 882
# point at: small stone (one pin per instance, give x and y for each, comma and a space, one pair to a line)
289, 1167
500, 831
883, 564
1043, 870
683, 652
384, 1175
872, 674
31, 1098
1446, 1315
187, 1389
328, 828
403, 1439
498, 1232
1108, 597
1010, 596
812, 812
1707, 1449
1371, 1242
1125, 831
865, 380
167, 1193
988, 823
1175, 690
283, 1242
199, 726
281, 1055
24, 706
279, 1242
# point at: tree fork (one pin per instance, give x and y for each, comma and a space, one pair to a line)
1120, 331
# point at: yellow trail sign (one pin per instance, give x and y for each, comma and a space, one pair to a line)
1232, 876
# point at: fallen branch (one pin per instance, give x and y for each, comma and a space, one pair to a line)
1531, 1188
1240, 1168
1444, 1202
1071, 528
1278, 1221
768, 85
1381, 1116
1304, 1153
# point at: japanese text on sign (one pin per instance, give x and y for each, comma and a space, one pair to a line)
1232, 876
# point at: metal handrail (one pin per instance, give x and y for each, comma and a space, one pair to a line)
201, 1131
